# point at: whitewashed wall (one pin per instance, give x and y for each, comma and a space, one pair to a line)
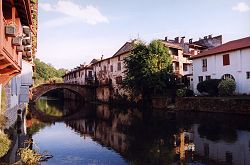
239, 65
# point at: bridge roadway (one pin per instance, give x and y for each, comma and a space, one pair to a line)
87, 92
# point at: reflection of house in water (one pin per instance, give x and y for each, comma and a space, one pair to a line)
102, 132
236, 152
184, 144
107, 131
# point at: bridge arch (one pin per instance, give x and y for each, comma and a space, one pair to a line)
86, 92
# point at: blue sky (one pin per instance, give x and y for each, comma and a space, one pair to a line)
73, 32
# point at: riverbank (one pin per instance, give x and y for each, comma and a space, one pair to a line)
234, 105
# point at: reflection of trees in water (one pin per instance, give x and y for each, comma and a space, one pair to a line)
151, 140
50, 107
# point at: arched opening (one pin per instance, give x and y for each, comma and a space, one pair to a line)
225, 76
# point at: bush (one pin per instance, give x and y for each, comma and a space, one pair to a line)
4, 143
227, 87
184, 92
2, 121
209, 86
181, 92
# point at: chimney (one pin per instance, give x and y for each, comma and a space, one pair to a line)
166, 38
191, 40
205, 37
176, 40
182, 40
210, 36
102, 57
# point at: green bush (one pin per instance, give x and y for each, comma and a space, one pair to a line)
209, 86
227, 87
184, 92
181, 92
2, 121
4, 143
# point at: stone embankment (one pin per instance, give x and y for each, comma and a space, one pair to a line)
234, 105
11, 115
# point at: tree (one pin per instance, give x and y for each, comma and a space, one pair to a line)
44, 72
148, 68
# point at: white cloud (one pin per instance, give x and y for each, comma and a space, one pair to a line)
88, 14
241, 7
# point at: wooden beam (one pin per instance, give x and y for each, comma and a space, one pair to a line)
8, 71
3, 66
2, 57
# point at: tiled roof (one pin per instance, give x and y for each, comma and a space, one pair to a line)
127, 47
171, 44
229, 46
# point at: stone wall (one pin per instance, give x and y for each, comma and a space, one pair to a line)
214, 104
161, 102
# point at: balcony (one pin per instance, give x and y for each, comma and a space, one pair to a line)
175, 58
89, 80
10, 58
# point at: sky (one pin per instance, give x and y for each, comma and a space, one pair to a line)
73, 32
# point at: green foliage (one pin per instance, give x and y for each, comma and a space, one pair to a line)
46, 72
2, 121
31, 156
148, 68
4, 143
181, 92
3, 100
209, 86
184, 92
227, 87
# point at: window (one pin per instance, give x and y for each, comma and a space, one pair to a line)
108, 61
200, 78
104, 68
90, 73
208, 77
111, 68
185, 67
204, 65
248, 75
206, 150
119, 66
119, 58
225, 76
99, 64
226, 60
119, 80
229, 158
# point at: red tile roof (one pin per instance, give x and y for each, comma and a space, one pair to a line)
172, 44
229, 46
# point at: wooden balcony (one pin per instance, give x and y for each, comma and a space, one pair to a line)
10, 59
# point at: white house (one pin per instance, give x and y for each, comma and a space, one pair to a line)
229, 60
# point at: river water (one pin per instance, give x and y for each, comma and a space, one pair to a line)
99, 134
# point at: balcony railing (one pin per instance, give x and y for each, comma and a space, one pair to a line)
175, 58
7, 47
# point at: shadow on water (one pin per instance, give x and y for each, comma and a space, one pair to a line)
100, 134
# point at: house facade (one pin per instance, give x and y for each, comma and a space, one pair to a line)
229, 60
107, 74
18, 34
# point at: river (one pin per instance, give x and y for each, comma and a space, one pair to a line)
93, 134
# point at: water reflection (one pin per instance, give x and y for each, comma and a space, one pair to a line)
99, 134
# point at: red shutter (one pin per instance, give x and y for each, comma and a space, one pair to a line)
226, 60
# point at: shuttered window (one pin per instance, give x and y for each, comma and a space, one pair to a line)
226, 60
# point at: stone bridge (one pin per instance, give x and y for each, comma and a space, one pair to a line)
85, 91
